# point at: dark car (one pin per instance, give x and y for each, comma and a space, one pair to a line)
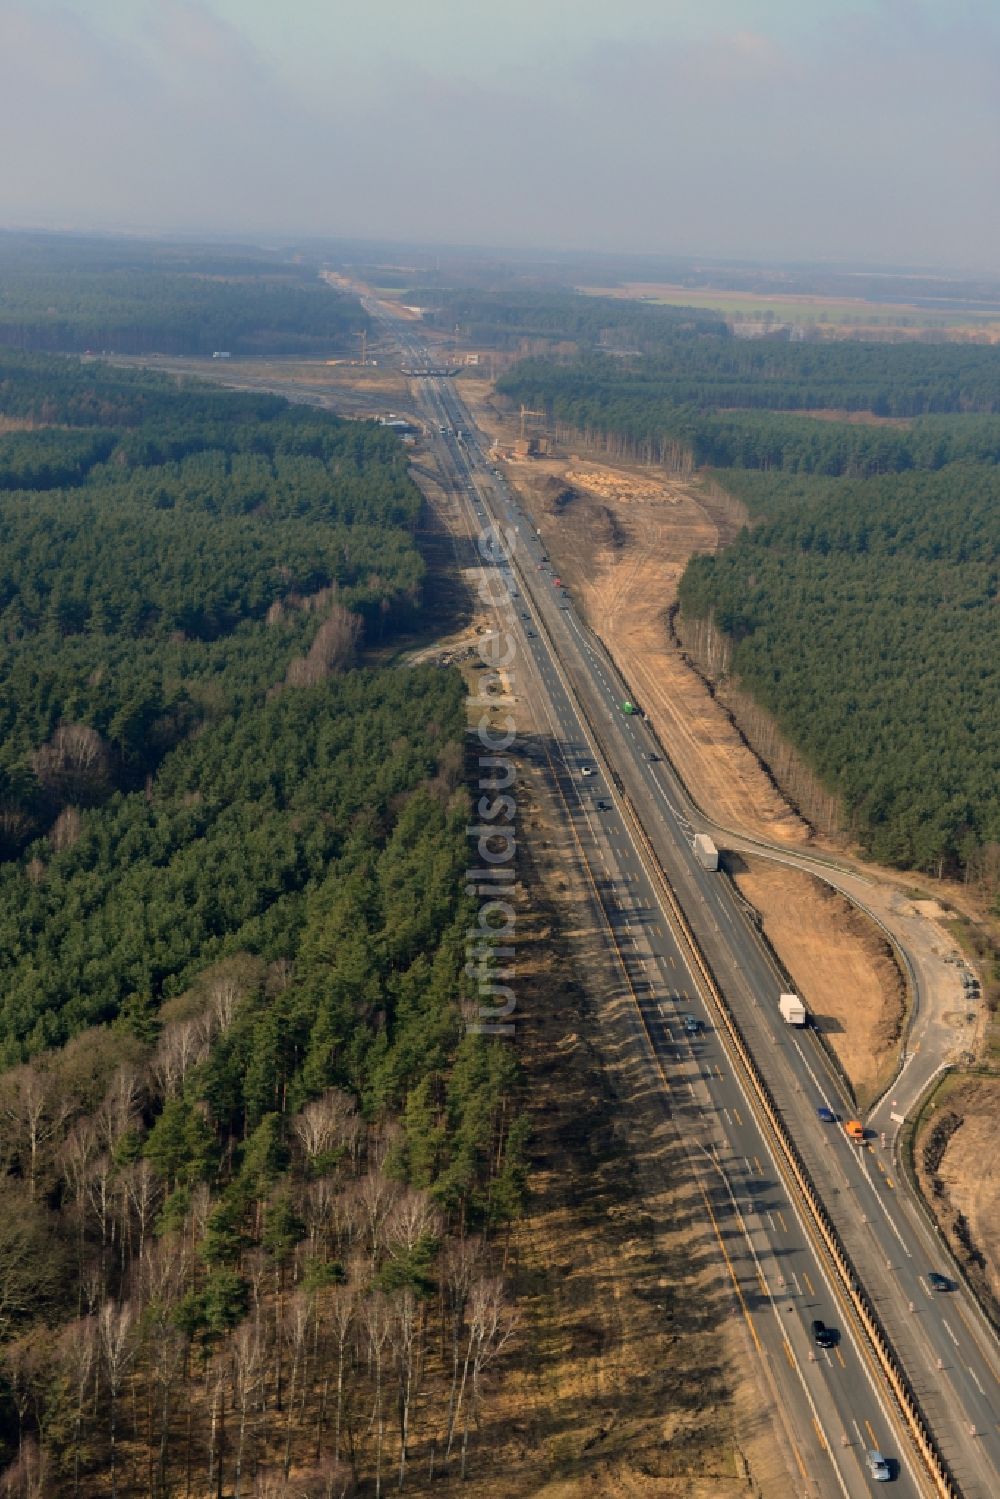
603, 806
938, 1282
825, 1115
653, 759
823, 1336
692, 1025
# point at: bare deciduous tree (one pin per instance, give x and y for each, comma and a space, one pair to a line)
375, 1196
34, 1113
118, 1113
326, 1123
117, 1335
77, 1357
66, 829
73, 764
28, 1475
376, 1318
181, 1047
247, 1350
403, 1337
491, 1326
412, 1220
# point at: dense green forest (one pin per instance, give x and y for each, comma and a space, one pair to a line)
256, 1171
508, 316
73, 295
864, 617
861, 608
717, 372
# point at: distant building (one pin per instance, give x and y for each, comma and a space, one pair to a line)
222, 354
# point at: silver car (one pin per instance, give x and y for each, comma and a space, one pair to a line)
878, 1467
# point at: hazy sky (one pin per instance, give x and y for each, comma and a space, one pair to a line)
813, 129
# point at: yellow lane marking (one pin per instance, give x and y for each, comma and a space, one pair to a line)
841, 1357
760, 1169
888, 1181
789, 1354
737, 1116
809, 1284
781, 1219
718, 1071
819, 1433
798, 1458
729, 1265
868, 1428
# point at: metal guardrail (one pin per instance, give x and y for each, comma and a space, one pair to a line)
895, 1375
935, 1464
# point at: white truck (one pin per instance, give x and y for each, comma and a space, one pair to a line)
705, 851
793, 1011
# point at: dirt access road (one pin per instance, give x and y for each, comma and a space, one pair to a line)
620, 538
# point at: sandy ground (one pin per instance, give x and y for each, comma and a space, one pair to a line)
957, 1182
840, 966
622, 538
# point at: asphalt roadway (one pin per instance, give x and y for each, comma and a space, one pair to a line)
834, 1402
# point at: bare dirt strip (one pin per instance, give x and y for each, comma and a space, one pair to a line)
620, 538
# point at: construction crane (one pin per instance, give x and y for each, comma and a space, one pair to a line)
525, 413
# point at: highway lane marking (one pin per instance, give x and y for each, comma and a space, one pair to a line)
805, 1277
798, 1458
868, 1428
760, 1169
948, 1330
843, 1361
820, 1433
975, 1379
781, 1220
985, 1353
737, 1116
692, 1091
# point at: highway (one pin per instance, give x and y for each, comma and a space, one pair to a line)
632, 821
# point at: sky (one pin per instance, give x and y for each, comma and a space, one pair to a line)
823, 130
